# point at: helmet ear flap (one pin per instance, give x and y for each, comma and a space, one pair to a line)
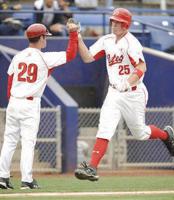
124, 25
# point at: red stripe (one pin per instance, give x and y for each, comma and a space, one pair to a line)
99, 55
132, 61
10, 80
50, 71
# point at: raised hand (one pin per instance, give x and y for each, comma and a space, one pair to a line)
73, 25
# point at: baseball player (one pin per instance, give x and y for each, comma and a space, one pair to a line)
127, 95
27, 78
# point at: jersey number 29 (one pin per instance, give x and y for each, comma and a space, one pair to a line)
28, 73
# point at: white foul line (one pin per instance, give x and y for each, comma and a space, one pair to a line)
60, 194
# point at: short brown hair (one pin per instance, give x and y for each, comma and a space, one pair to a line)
34, 40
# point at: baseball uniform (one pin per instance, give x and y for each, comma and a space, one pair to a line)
29, 70
127, 95
121, 59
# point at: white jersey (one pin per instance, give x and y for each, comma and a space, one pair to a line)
30, 69
121, 57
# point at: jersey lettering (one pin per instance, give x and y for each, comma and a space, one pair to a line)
27, 73
114, 59
124, 69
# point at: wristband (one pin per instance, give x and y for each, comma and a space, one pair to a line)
138, 72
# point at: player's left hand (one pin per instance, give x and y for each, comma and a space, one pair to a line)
72, 25
123, 86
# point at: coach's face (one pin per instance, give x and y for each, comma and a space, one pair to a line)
118, 28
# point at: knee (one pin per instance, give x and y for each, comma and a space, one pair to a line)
141, 134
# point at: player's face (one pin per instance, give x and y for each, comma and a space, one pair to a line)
118, 28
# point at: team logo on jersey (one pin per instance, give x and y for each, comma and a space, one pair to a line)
114, 59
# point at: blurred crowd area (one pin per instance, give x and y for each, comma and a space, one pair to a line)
15, 22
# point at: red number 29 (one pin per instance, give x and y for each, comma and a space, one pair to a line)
27, 73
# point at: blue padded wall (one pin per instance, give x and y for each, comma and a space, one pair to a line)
159, 76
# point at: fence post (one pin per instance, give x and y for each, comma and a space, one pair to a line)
69, 138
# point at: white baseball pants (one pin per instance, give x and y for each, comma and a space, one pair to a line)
129, 105
22, 122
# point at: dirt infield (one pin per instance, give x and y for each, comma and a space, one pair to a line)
140, 172
124, 172
74, 194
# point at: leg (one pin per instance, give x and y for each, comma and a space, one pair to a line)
29, 136
29, 128
11, 137
135, 119
109, 118
152, 132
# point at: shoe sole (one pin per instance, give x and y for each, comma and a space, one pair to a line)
83, 176
3, 186
170, 132
169, 128
25, 188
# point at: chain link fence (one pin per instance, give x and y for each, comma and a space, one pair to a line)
124, 150
48, 146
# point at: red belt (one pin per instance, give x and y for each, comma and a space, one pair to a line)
132, 88
30, 98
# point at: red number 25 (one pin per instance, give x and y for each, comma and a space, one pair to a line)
124, 69
28, 73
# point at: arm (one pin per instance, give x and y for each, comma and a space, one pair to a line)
71, 50
133, 79
140, 69
83, 51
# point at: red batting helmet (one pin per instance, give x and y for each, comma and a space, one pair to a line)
121, 15
36, 30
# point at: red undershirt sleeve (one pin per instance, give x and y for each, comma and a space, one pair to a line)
99, 55
71, 50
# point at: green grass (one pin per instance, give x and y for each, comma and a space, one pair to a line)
153, 197
71, 184
106, 183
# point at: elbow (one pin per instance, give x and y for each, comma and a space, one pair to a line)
144, 68
87, 61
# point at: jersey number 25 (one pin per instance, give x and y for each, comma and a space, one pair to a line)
28, 73
124, 69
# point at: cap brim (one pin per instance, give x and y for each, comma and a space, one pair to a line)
48, 34
117, 19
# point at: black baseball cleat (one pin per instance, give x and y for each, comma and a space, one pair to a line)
86, 172
5, 183
27, 185
170, 140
